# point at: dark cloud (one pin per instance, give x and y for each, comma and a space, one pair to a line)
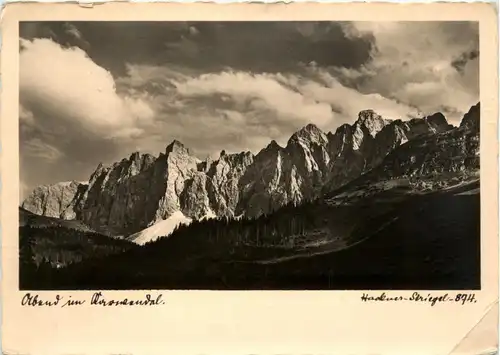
210, 46
460, 63
49, 154
64, 33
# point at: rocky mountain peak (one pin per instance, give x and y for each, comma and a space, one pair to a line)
271, 151
368, 115
177, 147
273, 145
135, 156
312, 128
98, 170
342, 129
471, 118
370, 121
235, 158
245, 158
437, 119
138, 162
309, 134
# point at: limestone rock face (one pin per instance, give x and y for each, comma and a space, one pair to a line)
359, 148
179, 168
454, 151
428, 162
142, 190
223, 182
471, 118
57, 200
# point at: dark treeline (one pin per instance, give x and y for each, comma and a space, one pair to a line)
288, 228
44, 248
274, 235
425, 242
275, 229
221, 240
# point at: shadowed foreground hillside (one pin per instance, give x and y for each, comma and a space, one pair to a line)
393, 241
46, 244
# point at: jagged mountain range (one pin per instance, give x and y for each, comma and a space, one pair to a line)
426, 163
142, 190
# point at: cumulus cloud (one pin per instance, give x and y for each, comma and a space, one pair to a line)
235, 110
71, 115
297, 100
258, 92
416, 63
347, 102
66, 84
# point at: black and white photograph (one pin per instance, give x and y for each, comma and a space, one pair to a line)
249, 155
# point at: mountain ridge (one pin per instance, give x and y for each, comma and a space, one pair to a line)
135, 193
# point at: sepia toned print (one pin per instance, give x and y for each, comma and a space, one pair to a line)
300, 236
249, 155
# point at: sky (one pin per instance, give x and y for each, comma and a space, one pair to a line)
94, 92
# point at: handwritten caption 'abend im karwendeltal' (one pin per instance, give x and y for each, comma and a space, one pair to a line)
97, 299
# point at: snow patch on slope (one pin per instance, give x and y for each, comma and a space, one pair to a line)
161, 229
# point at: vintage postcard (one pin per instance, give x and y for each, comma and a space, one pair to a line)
249, 179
